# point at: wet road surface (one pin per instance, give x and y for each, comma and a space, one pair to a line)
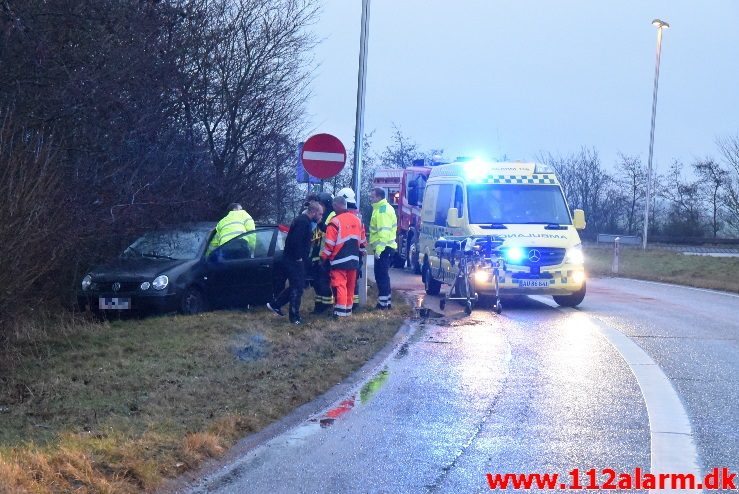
536, 389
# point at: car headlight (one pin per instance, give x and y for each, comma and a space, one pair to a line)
160, 282
574, 255
86, 282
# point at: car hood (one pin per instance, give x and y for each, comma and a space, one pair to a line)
134, 268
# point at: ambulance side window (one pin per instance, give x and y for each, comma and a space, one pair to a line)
428, 212
443, 201
459, 200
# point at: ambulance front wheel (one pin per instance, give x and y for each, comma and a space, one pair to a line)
571, 300
498, 307
468, 307
432, 286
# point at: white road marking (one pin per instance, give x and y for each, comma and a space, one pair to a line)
672, 449
705, 290
316, 155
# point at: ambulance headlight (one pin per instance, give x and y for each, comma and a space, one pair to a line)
575, 255
482, 276
514, 254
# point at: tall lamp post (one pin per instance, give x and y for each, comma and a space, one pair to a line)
660, 25
359, 133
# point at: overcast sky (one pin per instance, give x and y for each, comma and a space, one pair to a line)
516, 78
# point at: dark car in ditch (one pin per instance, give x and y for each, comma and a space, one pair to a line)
174, 270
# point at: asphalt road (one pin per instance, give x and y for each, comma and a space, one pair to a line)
642, 375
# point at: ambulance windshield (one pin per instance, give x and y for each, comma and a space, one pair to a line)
517, 204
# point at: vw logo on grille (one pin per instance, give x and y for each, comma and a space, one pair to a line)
117, 286
534, 255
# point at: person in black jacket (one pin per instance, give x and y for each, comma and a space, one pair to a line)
295, 257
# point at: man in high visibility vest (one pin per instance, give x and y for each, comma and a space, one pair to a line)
344, 238
236, 222
351, 204
383, 228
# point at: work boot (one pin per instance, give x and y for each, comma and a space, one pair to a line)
296, 321
320, 309
274, 309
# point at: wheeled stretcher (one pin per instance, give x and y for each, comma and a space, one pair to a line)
477, 260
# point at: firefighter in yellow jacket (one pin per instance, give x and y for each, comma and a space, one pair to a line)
236, 222
382, 231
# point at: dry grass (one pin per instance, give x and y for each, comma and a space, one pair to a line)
120, 406
716, 273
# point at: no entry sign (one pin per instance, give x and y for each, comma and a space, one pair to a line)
323, 156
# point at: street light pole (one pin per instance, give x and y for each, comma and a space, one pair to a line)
359, 133
660, 25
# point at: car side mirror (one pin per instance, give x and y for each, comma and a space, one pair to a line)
578, 219
452, 218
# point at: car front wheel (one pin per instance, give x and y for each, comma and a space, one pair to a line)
193, 301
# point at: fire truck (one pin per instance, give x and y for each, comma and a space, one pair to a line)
404, 188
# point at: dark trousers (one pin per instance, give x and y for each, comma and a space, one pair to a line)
382, 276
322, 287
295, 272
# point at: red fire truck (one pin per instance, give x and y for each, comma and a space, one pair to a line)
404, 190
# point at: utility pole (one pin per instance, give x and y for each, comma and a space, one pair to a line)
359, 132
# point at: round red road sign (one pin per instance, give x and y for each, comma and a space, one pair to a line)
323, 156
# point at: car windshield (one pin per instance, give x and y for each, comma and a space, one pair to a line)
517, 204
169, 244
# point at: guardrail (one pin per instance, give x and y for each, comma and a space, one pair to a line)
607, 238
661, 239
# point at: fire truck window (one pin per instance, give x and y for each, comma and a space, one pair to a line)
443, 201
459, 200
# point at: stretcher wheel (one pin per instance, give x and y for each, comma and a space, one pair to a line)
442, 303
498, 307
468, 307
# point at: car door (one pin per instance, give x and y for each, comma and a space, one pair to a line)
239, 272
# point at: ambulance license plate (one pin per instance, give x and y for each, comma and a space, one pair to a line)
115, 303
533, 283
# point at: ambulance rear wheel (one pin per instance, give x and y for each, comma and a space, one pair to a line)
442, 303
498, 307
468, 307
572, 300
432, 286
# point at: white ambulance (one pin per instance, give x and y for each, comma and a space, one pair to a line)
523, 204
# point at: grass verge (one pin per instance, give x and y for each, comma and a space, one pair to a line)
120, 406
718, 273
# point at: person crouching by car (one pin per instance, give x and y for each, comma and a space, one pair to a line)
344, 236
295, 257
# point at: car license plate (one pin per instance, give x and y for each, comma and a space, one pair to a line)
114, 303
533, 283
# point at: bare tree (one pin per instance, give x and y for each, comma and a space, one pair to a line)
401, 152
729, 147
685, 209
713, 180
632, 180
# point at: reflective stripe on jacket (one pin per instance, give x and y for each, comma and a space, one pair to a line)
383, 227
232, 225
343, 241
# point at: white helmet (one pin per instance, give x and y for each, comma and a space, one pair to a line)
348, 194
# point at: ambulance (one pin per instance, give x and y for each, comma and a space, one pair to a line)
521, 204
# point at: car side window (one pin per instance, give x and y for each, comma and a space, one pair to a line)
262, 240
443, 200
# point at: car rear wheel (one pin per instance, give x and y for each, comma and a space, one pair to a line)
572, 300
193, 301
